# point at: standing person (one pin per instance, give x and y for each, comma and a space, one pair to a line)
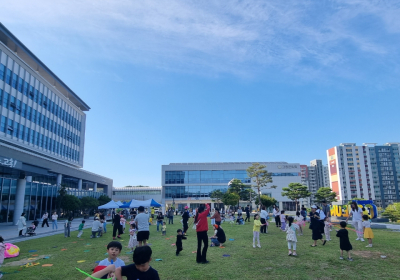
21, 224
54, 218
327, 228
178, 242
345, 244
152, 212
291, 236
132, 238
134, 213
277, 216
315, 226
299, 221
103, 218
368, 234
113, 215
326, 209
263, 218
283, 220
240, 212
170, 216
160, 220
117, 226
95, 227
356, 213
185, 219
201, 230
67, 227
247, 210
212, 217
217, 217
303, 213
322, 216
256, 231
142, 225
45, 219
80, 228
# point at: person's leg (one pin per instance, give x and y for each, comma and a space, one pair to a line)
349, 255
360, 230
205, 248
43, 222
47, 222
258, 239
20, 232
198, 255
65, 230
289, 243
254, 239
56, 224
158, 225
69, 231
294, 243
114, 231
52, 225
262, 229
104, 227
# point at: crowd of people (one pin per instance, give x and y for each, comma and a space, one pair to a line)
141, 219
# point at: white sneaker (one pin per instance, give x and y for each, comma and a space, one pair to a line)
357, 239
362, 240
259, 246
369, 245
254, 246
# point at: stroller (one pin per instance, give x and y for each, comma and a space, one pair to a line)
31, 230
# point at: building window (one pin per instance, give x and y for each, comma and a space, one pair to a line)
3, 124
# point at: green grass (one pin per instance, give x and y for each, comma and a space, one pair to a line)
245, 262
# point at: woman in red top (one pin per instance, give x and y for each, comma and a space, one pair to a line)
201, 229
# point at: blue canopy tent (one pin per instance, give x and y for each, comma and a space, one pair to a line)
126, 204
136, 203
110, 205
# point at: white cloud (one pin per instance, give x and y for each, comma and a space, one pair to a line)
308, 38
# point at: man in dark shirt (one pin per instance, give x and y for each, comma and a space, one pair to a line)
141, 268
178, 242
117, 225
247, 210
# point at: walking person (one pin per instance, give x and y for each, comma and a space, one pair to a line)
247, 210
21, 224
277, 216
170, 216
356, 213
67, 227
263, 219
54, 218
45, 219
291, 236
185, 219
201, 230
117, 226
142, 225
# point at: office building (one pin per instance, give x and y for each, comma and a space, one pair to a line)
42, 136
369, 171
138, 193
313, 177
191, 183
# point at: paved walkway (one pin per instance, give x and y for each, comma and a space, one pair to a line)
388, 226
10, 232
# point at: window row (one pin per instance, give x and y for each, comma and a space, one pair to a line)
15, 105
191, 191
28, 90
19, 131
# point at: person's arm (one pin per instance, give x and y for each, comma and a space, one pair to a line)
102, 272
350, 214
118, 273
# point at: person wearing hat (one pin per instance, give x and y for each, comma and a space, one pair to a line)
185, 219
219, 237
315, 226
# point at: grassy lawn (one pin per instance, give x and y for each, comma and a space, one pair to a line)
245, 262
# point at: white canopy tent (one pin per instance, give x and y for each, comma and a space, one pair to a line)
109, 205
144, 203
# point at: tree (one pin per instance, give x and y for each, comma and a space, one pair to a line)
230, 199
260, 176
103, 199
89, 203
216, 195
325, 194
70, 203
295, 191
245, 192
392, 212
266, 200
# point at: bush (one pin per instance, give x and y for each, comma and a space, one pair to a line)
392, 212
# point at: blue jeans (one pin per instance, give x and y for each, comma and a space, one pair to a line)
105, 227
171, 220
159, 223
215, 241
54, 223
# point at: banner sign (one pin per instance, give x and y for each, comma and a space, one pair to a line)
343, 210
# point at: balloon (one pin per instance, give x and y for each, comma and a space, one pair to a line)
12, 251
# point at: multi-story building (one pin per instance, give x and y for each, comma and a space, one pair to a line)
327, 182
138, 193
191, 183
313, 177
42, 136
369, 171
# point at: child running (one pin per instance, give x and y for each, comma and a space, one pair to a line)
327, 228
283, 220
299, 221
132, 239
80, 228
368, 234
345, 245
164, 229
291, 236
256, 231
178, 242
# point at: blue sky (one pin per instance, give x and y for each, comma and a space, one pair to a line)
209, 81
